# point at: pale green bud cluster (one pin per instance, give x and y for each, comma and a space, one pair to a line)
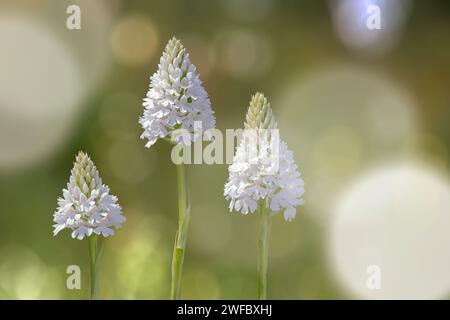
85, 173
259, 114
173, 48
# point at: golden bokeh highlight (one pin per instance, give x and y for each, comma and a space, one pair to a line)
134, 40
243, 53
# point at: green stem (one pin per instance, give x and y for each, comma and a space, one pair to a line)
263, 252
94, 257
181, 235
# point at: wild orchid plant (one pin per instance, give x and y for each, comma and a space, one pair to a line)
176, 99
263, 176
89, 211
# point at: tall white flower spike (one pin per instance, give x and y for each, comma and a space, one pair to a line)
252, 180
176, 98
86, 206
263, 176
177, 107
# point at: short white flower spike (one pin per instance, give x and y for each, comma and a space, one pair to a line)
250, 180
86, 206
176, 98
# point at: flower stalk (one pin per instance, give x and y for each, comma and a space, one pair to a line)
184, 216
94, 244
263, 253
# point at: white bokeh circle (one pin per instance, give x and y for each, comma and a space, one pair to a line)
350, 23
47, 71
39, 91
396, 217
340, 119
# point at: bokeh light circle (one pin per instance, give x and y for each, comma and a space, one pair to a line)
397, 218
23, 275
350, 22
35, 115
339, 120
134, 40
243, 53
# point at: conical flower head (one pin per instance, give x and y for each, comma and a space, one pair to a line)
86, 206
176, 99
259, 114
252, 179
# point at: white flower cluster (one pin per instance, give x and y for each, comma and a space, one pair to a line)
86, 206
251, 178
176, 98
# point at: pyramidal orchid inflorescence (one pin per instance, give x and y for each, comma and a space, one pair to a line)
177, 107
252, 179
176, 98
86, 206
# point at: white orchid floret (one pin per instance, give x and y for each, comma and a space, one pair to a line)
254, 179
86, 206
176, 98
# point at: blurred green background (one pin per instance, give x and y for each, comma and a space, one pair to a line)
346, 100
